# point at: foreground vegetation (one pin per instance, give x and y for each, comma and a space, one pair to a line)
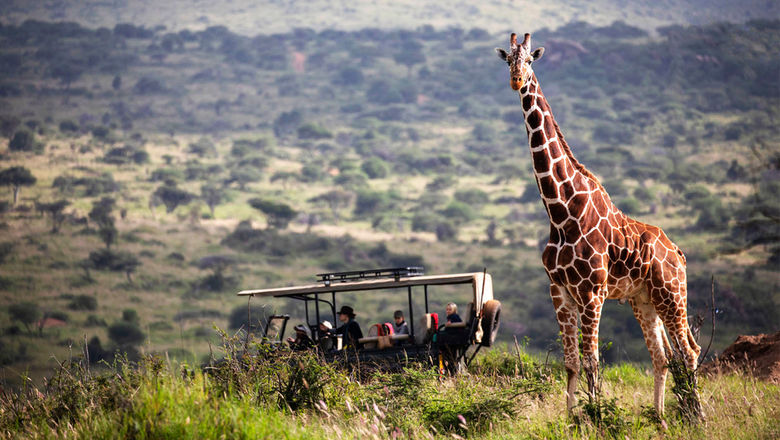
287, 395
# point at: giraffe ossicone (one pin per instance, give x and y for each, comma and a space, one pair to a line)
595, 251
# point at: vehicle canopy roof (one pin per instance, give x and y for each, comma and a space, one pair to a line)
481, 286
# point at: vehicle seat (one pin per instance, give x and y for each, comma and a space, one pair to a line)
429, 324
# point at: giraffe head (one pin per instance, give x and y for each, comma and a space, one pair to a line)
519, 59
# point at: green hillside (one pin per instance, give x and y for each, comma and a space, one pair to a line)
174, 168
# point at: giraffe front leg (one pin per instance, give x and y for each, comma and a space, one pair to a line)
566, 314
590, 316
657, 345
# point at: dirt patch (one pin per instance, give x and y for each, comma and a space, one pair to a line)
758, 355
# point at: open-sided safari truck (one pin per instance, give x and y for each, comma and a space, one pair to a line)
429, 339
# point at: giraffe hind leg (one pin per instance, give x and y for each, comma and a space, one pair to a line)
657, 344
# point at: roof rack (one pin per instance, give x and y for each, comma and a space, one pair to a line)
396, 273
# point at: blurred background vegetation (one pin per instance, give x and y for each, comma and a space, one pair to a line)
152, 169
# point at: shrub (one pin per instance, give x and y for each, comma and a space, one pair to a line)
458, 212
25, 312
94, 321
424, 221
24, 140
6, 249
83, 302
313, 131
375, 168
203, 147
125, 334
446, 231
472, 196
130, 315
69, 126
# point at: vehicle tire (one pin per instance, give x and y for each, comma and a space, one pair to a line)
491, 320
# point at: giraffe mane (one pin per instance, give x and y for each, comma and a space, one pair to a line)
577, 165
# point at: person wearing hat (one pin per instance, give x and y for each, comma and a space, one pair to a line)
350, 330
302, 340
324, 336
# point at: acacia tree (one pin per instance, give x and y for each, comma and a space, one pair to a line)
213, 195
102, 215
56, 212
26, 313
17, 177
277, 214
337, 200
172, 196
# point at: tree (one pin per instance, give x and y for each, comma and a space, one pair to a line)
24, 140
286, 122
278, 215
67, 72
217, 281
243, 176
55, 211
127, 263
26, 313
17, 177
172, 196
411, 53
337, 200
101, 215
213, 195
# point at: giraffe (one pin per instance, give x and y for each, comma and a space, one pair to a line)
595, 251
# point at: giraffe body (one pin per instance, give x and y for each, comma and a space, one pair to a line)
595, 251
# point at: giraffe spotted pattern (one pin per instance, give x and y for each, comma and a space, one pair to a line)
595, 251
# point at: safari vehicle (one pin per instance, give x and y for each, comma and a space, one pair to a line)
447, 345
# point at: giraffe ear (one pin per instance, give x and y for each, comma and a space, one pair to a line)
502, 54
537, 53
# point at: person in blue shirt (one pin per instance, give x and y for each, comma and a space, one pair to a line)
452, 313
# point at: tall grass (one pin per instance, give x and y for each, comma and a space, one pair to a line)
282, 394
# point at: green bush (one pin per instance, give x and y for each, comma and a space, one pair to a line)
94, 321
24, 140
375, 168
458, 212
125, 334
69, 126
472, 196
25, 312
313, 131
83, 302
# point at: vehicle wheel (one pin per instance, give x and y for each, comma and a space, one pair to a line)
491, 320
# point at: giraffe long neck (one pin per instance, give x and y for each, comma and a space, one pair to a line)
563, 182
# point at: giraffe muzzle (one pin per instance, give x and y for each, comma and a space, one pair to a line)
516, 83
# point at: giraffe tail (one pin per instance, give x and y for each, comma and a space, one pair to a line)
692, 342
667, 347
